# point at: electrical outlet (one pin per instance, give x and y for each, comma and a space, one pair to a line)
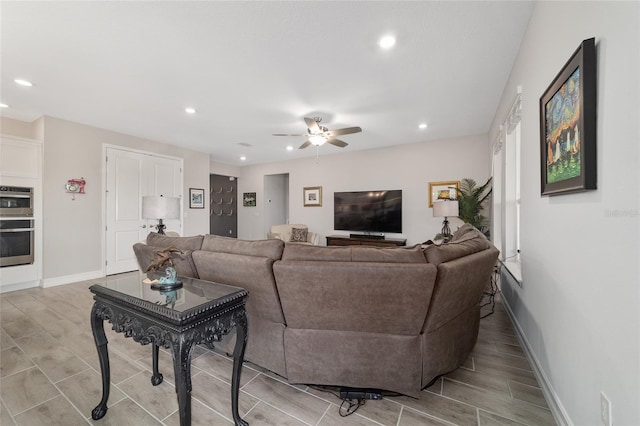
605, 410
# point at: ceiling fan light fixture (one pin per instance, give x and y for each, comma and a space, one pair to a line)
289, 148
317, 140
387, 42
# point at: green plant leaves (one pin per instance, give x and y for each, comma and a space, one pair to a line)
471, 201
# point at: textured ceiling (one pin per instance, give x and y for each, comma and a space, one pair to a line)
252, 69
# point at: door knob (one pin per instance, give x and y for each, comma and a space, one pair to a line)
143, 226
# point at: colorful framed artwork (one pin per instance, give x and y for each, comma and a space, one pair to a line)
568, 126
196, 198
443, 190
313, 196
249, 199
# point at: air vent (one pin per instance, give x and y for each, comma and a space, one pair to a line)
248, 145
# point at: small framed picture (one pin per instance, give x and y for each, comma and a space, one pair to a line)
443, 190
196, 198
249, 199
313, 196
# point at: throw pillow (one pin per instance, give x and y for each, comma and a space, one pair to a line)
299, 235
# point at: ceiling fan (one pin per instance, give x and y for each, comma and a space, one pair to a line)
317, 134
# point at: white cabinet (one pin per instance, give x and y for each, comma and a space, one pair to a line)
21, 165
20, 158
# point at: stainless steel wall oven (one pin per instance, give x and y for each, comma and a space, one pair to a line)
16, 242
16, 201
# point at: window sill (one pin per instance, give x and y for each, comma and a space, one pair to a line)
514, 269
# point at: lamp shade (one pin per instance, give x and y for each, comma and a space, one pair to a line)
445, 208
160, 207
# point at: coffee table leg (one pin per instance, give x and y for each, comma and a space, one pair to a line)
97, 327
238, 359
156, 378
182, 351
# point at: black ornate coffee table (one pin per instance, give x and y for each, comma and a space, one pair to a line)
198, 312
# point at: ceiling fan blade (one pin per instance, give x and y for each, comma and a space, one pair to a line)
312, 125
345, 131
337, 142
304, 145
286, 134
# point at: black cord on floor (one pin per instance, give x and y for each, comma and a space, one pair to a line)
348, 406
352, 408
492, 291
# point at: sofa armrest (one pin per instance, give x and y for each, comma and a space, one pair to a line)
277, 236
313, 238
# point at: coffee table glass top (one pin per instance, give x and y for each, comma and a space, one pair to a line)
191, 295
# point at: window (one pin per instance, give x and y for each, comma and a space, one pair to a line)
506, 190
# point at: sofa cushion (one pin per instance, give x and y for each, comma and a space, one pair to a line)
261, 248
387, 254
465, 230
183, 243
299, 235
354, 254
253, 273
182, 262
317, 253
465, 245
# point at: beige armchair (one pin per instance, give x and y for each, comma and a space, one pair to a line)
293, 233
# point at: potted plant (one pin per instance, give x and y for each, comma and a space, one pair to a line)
471, 201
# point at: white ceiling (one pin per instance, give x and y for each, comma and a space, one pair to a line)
252, 69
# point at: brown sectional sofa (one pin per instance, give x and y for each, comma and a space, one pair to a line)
365, 317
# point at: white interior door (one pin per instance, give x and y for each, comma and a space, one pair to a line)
130, 176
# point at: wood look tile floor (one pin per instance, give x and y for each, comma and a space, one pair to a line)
50, 375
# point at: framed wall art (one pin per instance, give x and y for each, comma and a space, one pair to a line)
249, 199
443, 190
313, 196
196, 198
568, 126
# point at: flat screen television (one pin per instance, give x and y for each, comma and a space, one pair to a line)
368, 211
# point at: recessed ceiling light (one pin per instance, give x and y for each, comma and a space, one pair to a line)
243, 158
22, 82
422, 126
289, 148
190, 110
387, 42
4, 105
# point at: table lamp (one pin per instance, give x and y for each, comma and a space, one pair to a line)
160, 208
445, 208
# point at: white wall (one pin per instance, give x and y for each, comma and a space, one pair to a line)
223, 169
73, 233
408, 167
580, 301
276, 200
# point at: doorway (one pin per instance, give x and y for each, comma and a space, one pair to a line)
130, 175
223, 206
276, 200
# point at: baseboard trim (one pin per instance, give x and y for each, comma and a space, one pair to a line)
19, 286
68, 279
555, 405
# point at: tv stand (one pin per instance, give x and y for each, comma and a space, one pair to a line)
364, 240
367, 236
